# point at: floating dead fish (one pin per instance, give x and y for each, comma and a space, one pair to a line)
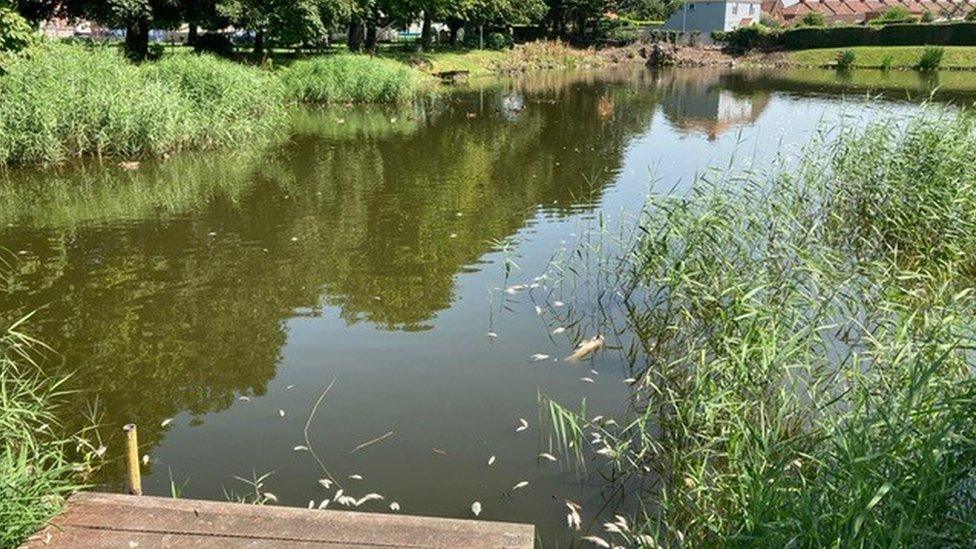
520, 485
356, 477
491, 461
574, 520
145, 459
166, 422
557, 303
523, 425
492, 335
394, 506
548, 456
538, 310
271, 497
538, 356
338, 494
476, 508
438, 451
472, 115
100, 451
586, 348
294, 239
311, 504
301, 448
453, 235
512, 290
211, 233
326, 483
281, 413
325, 503
630, 381
289, 388
244, 398
346, 501
129, 165
368, 497
587, 380
558, 330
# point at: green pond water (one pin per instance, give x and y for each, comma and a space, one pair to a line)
371, 248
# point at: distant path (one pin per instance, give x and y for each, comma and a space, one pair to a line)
95, 520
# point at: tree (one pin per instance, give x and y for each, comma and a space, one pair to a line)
36, 11
284, 22
578, 13
813, 19
136, 16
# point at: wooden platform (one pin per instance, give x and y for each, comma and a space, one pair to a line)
93, 520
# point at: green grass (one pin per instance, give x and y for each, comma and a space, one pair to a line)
350, 79
36, 473
901, 57
476, 62
802, 343
61, 101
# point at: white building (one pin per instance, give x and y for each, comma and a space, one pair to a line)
707, 16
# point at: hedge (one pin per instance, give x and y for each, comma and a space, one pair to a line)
939, 34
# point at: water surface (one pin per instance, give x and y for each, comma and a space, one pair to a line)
371, 248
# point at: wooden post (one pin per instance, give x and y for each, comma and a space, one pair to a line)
133, 481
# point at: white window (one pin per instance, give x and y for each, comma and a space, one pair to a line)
735, 8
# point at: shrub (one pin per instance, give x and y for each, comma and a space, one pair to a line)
215, 43
769, 21
931, 58
845, 60
348, 79
15, 32
896, 14
928, 16
496, 41
886, 62
971, 16
749, 37
813, 19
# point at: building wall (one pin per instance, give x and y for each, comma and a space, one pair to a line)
708, 16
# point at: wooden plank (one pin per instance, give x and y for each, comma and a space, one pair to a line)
114, 520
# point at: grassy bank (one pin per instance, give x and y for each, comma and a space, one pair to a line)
36, 473
801, 344
894, 57
349, 79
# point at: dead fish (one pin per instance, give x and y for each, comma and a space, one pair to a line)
311, 504
472, 115
538, 310
630, 381
129, 165
368, 497
325, 503
356, 477
587, 380
394, 506
438, 451
289, 388
326, 483
558, 330
557, 303
453, 235
573, 519
244, 398
100, 451
520, 485
512, 290
300, 448
538, 356
523, 425
476, 508
548, 456
166, 422
492, 335
271, 497
281, 413
586, 348
145, 459
491, 461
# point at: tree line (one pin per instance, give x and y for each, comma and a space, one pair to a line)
308, 22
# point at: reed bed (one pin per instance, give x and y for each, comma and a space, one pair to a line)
801, 345
36, 472
350, 79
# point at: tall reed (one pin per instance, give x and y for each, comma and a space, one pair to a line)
802, 344
39, 466
350, 79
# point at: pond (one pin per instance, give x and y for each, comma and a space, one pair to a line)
213, 298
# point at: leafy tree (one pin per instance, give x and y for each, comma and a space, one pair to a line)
15, 32
137, 16
35, 11
647, 9
813, 19
579, 14
895, 14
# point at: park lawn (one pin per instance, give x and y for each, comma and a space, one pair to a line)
902, 57
475, 62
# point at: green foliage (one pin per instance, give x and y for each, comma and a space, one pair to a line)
802, 344
36, 472
931, 58
928, 16
813, 19
64, 101
845, 60
749, 37
971, 16
944, 34
497, 41
886, 62
895, 14
769, 21
348, 79
15, 32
